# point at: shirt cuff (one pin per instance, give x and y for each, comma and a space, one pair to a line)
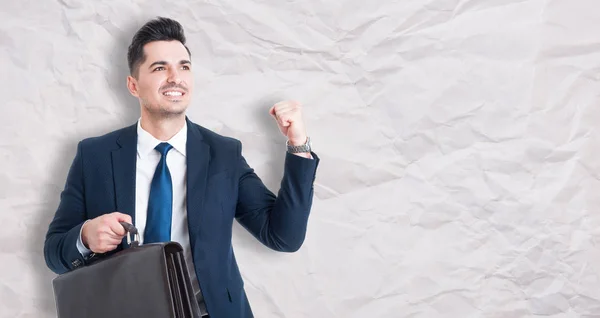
302, 156
84, 251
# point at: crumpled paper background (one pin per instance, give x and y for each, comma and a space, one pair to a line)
459, 173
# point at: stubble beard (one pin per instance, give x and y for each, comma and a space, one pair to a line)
162, 112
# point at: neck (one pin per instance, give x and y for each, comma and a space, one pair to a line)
163, 128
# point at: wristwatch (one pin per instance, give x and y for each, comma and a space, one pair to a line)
297, 149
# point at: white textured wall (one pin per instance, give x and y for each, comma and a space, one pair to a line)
460, 170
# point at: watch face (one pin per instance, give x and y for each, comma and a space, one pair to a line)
308, 146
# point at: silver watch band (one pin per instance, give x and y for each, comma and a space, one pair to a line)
306, 147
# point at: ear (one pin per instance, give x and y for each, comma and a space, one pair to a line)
132, 85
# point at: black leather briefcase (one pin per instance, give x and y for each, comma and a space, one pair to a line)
149, 281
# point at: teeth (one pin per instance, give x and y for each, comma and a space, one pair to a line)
172, 93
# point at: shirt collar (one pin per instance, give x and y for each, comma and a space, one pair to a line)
146, 142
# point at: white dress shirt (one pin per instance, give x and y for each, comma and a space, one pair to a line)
147, 160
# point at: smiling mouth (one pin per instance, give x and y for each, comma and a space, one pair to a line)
173, 93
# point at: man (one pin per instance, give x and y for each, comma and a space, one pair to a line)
175, 180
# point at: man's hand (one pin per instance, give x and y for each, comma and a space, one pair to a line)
104, 233
288, 115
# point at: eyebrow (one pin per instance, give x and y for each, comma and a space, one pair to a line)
182, 62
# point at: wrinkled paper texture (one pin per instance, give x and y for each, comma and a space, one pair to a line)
458, 140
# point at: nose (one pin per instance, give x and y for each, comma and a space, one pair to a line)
174, 76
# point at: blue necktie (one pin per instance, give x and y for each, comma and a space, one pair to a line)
160, 203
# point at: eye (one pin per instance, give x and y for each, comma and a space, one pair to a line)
186, 67
160, 68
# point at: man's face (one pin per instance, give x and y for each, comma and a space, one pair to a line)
165, 81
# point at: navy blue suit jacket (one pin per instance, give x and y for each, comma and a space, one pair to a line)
220, 187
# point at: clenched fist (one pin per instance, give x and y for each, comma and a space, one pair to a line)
288, 115
104, 233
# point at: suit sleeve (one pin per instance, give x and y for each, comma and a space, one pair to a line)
279, 222
60, 246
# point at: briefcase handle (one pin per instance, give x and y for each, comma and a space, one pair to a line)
131, 230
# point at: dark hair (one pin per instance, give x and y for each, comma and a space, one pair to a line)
159, 29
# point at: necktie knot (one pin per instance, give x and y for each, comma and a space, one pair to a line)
163, 148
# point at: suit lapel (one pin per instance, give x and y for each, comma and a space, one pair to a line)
198, 159
124, 165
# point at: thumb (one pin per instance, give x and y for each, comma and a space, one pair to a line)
122, 217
